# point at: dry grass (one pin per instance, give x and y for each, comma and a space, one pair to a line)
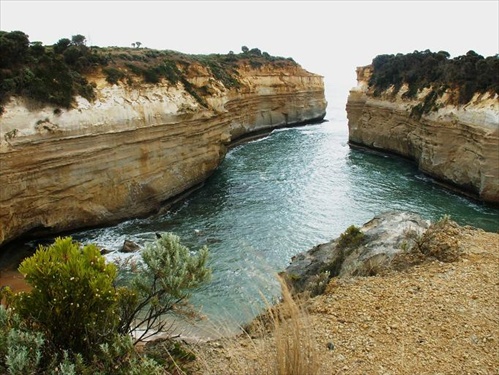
294, 345
278, 342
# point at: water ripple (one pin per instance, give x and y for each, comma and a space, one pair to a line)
280, 195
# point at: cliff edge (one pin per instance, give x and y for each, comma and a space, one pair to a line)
456, 144
424, 316
137, 145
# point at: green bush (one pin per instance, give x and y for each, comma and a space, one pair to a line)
161, 284
56, 74
467, 75
73, 301
75, 320
151, 75
113, 75
351, 237
118, 358
4, 333
24, 351
52, 75
68, 366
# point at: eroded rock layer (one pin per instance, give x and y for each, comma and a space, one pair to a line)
457, 145
135, 147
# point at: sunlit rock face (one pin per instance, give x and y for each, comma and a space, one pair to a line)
457, 145
135, 148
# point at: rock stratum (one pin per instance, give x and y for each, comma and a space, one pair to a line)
136, 147
457, 145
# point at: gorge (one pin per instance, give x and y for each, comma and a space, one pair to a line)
265, 201
137, 146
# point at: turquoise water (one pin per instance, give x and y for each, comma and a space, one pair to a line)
279, 195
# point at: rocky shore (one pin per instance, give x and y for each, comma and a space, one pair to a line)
399, 295
415, 315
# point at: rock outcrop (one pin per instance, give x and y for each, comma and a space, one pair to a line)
456, 145
383, 237
136, 147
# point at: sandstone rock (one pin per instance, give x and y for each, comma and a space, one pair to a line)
129, 247
135, 148
456, 145
105, 251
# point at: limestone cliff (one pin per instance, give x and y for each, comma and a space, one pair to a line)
137, 146
456, 145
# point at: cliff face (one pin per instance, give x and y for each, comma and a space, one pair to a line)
457, 145
135, 147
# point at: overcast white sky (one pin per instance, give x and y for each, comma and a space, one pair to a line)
330, 38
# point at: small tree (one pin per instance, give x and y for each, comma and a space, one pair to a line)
255, 51
244, 49
62, 45
161, 284
14, 48
138, 44
78, 40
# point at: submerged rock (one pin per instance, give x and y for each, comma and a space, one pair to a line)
129, 247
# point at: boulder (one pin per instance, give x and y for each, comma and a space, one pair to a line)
380, 239
129, 247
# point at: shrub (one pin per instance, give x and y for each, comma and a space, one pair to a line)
24, 351
117, 357
68, 366
351, 237
4, 333
467, 74
113, 75
151, 75
73, 301
62, 45
170, 71
69, 323
20, 349
439, 241
161, 284
318, 283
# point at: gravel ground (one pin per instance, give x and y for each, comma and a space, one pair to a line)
432, 318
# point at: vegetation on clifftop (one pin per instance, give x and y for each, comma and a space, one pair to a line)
52, 75
463, 76
56, 74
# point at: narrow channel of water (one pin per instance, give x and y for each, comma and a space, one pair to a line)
277, 196
282, 194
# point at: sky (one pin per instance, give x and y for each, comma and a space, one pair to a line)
330, 38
